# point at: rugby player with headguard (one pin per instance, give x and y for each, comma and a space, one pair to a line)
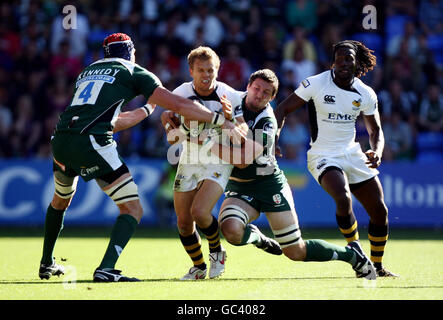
83, 145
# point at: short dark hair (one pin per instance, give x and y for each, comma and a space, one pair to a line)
366, 61
268, 76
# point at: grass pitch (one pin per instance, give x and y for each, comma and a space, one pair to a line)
160, 260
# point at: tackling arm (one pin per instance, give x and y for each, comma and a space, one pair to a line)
191, 110
239, 156
129, 119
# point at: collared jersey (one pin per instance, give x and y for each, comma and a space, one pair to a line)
191, 151
263, 126
333, 112
101, 90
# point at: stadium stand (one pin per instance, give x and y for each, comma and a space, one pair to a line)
39, 59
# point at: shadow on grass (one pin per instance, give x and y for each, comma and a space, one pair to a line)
45, 282
171, 232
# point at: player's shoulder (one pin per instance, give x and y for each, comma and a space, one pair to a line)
231, 93
185, 89
317, 80
119, 62
265, 118
364, 89
320, 77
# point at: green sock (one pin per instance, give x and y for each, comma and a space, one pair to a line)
122, 231
320, 250
249, 237
53, 226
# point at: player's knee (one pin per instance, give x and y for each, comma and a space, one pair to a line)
64, 190
343, 202
291, 242
132, 208
379, 214
232, 231
185, 226
125, 195
198, 213
233, 219
60, 203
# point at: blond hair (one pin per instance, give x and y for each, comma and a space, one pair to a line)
203, 53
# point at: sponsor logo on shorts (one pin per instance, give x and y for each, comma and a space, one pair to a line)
247, 198
178, 181
87, 171
277, 198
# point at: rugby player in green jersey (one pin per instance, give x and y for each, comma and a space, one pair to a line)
83, 145
260, 186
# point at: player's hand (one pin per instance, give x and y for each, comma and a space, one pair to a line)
238, 134
226, 107
169, 120
374, 160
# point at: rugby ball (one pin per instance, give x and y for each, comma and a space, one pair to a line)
191, 128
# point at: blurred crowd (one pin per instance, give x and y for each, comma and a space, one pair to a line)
39, 61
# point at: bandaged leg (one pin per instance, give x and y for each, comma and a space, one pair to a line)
234, 225
64, 186
125, 190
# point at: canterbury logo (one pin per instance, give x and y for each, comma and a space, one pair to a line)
329, 99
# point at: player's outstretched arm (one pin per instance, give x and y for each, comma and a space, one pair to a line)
191, 110
239, 156
129, 119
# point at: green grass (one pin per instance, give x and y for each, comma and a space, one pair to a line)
250, 273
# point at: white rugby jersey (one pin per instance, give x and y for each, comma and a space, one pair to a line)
191, 151
333, 112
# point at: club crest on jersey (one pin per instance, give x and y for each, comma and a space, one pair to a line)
356, 104
329, 99
216, 175
277, 198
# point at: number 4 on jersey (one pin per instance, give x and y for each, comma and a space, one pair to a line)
85, 94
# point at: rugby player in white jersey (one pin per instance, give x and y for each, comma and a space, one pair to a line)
335, 99
258, 186
201, 178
